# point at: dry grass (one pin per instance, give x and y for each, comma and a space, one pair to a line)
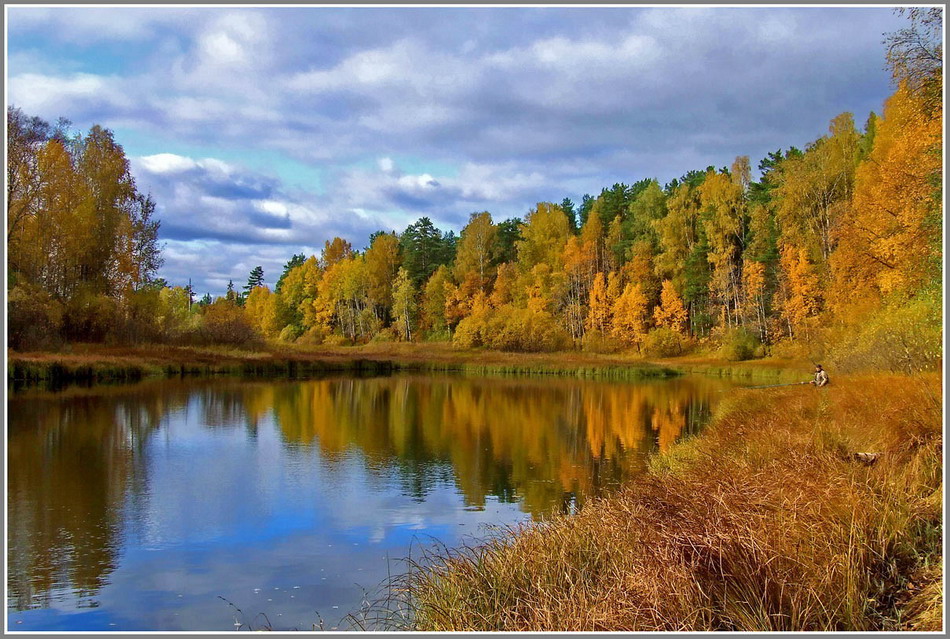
765, 522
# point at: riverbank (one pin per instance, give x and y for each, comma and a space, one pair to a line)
94, 363
765, 522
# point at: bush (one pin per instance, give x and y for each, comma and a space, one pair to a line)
89, 317
290, 333
901, 337
512, 329
597, 342
337, 340
313, 336
664, 342
387, 334
470, 332
739, 344
223, 322
34, 319
524, 330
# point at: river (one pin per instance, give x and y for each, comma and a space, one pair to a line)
233, 504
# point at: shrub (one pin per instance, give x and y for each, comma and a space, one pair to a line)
387, 334
524, 330
597, 342
34, 319
223, 322
89, 317
290, 333
664, 342
313, 336
901, 337
470, 332
739, 344
337, 340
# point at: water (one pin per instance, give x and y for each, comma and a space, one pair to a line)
141, 507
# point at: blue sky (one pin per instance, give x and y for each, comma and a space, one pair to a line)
262, 132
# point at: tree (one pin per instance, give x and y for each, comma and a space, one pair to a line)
815, 189
424, 249
568, 207
295, 261
383, 261
891, 241
915, 55
630, 317
434, 300
298, 293
404, 305
509, 233
255, 279
334, 251
803, 295
476, 249
600, 306
671, 313
544, 234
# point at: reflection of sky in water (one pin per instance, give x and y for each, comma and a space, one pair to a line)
214, 502
271, 527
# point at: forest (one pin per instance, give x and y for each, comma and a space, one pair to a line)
834, 249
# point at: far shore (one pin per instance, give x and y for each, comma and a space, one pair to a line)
108, 364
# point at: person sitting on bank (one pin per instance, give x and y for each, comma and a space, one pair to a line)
821, 377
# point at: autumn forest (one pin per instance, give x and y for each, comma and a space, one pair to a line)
839, 242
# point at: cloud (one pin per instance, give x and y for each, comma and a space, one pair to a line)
494, 109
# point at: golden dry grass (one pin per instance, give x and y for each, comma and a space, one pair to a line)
764, 522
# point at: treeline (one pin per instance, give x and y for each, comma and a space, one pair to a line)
837, 243
845, 232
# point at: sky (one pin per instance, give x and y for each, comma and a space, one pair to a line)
263, 132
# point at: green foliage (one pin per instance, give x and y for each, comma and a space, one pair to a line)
664, 342
255, 279
901, 337
509, 233
424, 249
739, 344
290, 333
296, 260
595, 341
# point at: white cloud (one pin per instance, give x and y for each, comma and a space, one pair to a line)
167, 163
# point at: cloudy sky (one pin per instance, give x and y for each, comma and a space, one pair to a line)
263, 132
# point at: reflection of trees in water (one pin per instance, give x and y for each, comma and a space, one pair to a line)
73, 462
552, 443
77, 462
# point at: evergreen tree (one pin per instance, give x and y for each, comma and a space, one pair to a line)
296, 260
255, 279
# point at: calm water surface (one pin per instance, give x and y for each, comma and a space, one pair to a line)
140, 507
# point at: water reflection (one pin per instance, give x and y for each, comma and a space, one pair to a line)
105, 484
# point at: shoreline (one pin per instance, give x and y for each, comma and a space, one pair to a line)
94, 364
767, 521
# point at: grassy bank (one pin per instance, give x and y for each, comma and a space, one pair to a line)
98, 363
764, 522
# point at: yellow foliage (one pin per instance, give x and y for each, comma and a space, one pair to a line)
884, 247
630, 318
671, 313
